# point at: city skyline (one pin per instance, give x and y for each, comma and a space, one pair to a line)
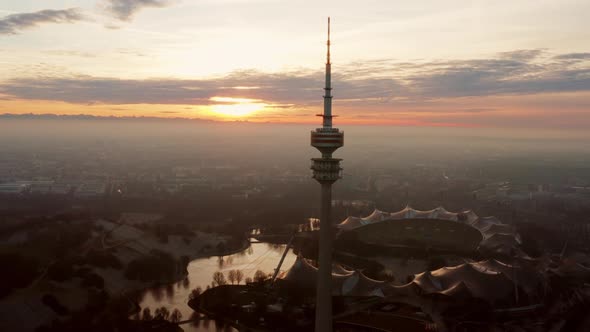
425, 64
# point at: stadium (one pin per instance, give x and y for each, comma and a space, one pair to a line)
436, 229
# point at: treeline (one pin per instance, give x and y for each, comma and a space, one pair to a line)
168, 227
60, 235
158, 266
73, 266
105, 314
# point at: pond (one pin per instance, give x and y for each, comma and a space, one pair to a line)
259, 256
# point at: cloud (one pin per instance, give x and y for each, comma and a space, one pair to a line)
70, 53
124, 10
573, 56
522, 55
382, 84
509, 73
15, 23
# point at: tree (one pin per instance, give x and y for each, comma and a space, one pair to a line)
259, 276
92, 280
52, 302
219, 279
231, 276
146, 314
161, 313
239, 276
175, 316
23, 270
154, 267
248, 280
60, 271
103, 259
195, 293
387, 275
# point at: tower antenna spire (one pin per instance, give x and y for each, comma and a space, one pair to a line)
328, 40
327, 115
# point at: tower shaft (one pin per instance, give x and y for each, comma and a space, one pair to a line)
323, 320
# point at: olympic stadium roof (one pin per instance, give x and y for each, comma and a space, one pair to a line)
344, 282
490, 280
497, 237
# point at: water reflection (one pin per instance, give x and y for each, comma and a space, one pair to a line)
196, 319
186, 282
156, 293
259, 256
277, 247
170, 291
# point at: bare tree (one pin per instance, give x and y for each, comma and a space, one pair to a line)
146, 314
195, 293
259, 276
161, 313
219, 279
175, 316
231, 276
239, 276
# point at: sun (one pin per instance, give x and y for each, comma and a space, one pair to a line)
235, 107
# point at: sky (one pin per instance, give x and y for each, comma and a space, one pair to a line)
480, 63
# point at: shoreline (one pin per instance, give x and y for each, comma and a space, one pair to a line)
133, 294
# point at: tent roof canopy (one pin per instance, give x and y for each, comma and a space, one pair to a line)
497, 237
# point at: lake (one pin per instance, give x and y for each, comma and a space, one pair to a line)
259, 256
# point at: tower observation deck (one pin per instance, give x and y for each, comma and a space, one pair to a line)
326, 170
327, 139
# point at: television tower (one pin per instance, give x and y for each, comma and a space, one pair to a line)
326, 170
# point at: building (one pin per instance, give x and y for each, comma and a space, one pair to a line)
437, 229
326, 170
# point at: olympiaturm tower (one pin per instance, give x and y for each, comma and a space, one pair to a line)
326, 170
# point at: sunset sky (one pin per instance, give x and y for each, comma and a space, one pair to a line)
520, 63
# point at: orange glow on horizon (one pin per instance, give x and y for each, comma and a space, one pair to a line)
235, 107
224, 112
487, 111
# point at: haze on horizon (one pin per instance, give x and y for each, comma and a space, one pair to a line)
428, 63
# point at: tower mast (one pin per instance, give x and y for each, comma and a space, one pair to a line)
327, 116
326, 170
